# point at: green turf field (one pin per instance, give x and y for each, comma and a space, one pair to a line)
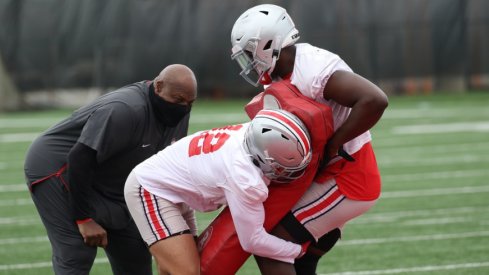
432, 218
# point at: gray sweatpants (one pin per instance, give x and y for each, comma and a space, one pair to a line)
126, 251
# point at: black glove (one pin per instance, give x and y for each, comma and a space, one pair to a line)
341, 152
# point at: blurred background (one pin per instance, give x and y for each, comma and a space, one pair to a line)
432, 144
52, 47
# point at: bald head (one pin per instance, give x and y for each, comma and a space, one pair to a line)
176, 83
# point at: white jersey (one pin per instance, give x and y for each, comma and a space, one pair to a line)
209, 169
312, 68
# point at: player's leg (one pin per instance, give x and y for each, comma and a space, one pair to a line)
318, 215
177, 255
127, 252
322, 212
70, 254
307, 264
164, 229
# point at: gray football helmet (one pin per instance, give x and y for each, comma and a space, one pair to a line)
279, 144
257, 37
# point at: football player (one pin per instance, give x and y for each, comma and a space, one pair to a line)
264, 45
231, 166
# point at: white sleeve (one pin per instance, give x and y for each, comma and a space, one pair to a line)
313, 69
248, 218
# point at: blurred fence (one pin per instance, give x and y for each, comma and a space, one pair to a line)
403, 45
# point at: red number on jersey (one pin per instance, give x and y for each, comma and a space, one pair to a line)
208, 142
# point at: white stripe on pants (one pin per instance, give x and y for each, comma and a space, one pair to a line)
155, 217
323, 208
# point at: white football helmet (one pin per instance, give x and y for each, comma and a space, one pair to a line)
257, 38
279, 144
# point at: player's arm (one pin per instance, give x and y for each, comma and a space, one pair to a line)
106, 133
82, 162
248, 217
366, 100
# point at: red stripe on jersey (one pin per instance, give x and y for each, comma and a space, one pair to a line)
152, 214
290, 123
317, 208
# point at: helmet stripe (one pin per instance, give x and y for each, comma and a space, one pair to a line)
301, 135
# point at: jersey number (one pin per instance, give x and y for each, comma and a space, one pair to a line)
210, 141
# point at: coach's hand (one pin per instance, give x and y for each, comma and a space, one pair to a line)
93, 234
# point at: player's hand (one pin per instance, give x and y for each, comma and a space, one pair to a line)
93, 234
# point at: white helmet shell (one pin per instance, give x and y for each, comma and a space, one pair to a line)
279, 144
257, 37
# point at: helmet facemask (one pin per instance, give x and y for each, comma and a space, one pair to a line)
256, 65
257, 37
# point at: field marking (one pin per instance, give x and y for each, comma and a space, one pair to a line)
434, 192
435, 237
28, 122
432, 113
385, 162
41, 265
30, 136
453, 149
439, 221
15, 241
386, 178
413, 269
389, 217
386, 194
461, 235
18, 137
19, 187
480, 126
19, 221
436, 175
49, 121
371, 241
15, 202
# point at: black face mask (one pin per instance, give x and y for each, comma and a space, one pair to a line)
168, 113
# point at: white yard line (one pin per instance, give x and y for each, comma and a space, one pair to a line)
49, 121
41, 265
19, 221
439, 221
434, 237
435, 192
18, 137
385, 194
395, 216
480, 126
438, 175
19, 187
15, 202
372, 241
15, 241
451, 149
28, 122
433, 113
414, 269
45, 123
397, 162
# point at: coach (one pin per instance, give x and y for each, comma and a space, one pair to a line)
76, 170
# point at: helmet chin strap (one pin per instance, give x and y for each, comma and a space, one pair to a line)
266, 79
